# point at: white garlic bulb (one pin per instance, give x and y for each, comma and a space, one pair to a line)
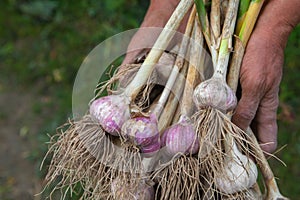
215, 93
240, 173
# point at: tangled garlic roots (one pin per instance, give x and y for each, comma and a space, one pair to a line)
212, 127
178, 179
79, 154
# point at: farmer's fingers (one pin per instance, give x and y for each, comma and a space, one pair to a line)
145, 37
162, 70
253, 83
262, 114
136, 56
155, 19
260, 78
256, 77
140, 44
265, 124
245, 110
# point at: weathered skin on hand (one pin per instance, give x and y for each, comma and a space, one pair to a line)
261, 70
157, 16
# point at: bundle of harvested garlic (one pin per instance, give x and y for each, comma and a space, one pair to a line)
144, 142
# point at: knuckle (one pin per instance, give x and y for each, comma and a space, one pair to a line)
269, 147
243, 118
253, 81
257, 84
246, 114
267, 111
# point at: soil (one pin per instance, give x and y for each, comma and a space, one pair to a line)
19, 127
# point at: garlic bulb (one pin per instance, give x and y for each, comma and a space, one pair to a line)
151, 149
124, 191
215, 93
181, 138
143, 131
111, 112
240, 173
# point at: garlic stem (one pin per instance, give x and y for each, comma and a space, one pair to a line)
168, 87
170, 108
215, 18
250, 19
179, 62
166, 116
228, 29
159, 46
224, 6
211, 38
236, 61
176, 115
243, 8
196, 65
203, 18
215, 21
241, 42
273, 192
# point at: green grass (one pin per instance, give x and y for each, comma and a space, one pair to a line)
42, 45
288, 121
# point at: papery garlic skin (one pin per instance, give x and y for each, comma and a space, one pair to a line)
215, 93
142, 131
240, 173
181, 138
150, 150
111, 112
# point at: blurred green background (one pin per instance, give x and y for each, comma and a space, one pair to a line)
42, 44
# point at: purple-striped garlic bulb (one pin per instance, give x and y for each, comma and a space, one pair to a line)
111, 112
143, 132
181, 138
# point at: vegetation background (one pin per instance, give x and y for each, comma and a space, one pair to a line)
42, 44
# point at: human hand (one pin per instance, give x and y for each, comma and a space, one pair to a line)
157, 16
261, 71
